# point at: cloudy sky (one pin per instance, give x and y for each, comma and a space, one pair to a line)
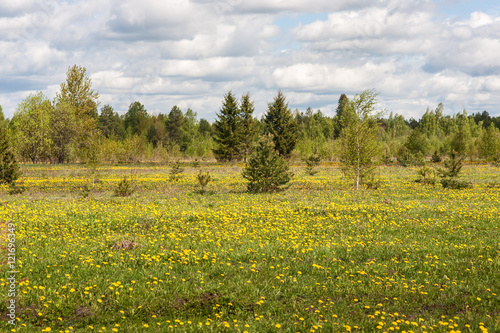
190, 52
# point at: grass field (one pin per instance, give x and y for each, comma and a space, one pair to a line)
318, 257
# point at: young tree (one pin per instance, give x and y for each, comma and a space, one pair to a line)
279, 122
358, 139
32, 128
266, 170
227, 131
248, 124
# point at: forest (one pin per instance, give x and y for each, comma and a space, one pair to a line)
75, 128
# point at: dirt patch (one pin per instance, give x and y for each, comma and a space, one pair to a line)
125, 245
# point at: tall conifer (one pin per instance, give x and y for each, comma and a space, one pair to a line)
227, 130
280, 123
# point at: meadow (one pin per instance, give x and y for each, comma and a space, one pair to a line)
317, 257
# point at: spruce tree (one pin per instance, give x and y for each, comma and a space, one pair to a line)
279, 122
248, 124
266, 170
227, 130
9, 169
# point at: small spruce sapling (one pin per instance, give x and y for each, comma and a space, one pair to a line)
175, 171
203, 179
266, 170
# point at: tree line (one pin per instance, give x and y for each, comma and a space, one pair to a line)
72, 128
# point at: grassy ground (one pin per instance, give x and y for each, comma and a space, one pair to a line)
316, 257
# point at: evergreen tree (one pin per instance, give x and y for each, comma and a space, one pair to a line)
174, 124
339, 115
227, 130
266, 170
248, 124
9, 169
135, 118
279, 122
110, 123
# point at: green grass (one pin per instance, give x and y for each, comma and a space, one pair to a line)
317, 257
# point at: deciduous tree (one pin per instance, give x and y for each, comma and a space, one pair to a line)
359, 145
31, 125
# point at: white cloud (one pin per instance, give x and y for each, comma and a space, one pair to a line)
190, 53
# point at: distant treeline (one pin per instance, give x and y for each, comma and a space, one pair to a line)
72, 128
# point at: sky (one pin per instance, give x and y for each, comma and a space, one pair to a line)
190, 53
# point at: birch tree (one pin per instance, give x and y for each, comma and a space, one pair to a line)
358, 139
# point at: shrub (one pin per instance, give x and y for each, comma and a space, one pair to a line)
203, 179
449, 174
311, 162
175, 171
427, 174
436, 157
266, 170
124, 188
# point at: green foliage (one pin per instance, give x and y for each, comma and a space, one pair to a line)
339, 115
9, 169
32, 128
266, 170
279, 122
359, 144
436, 157
63, 125
135, 118
175, 171
427, 175
451, 171
110, 123
174, 124
489, 146
413, 151
203, 179
311, 162
124, 188
248, 125
228, 131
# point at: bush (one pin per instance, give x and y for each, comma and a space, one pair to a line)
449, 174
436, 157
175, 171
203, 179
455, 184
427, 174
311, 162
266, 170
124, 188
